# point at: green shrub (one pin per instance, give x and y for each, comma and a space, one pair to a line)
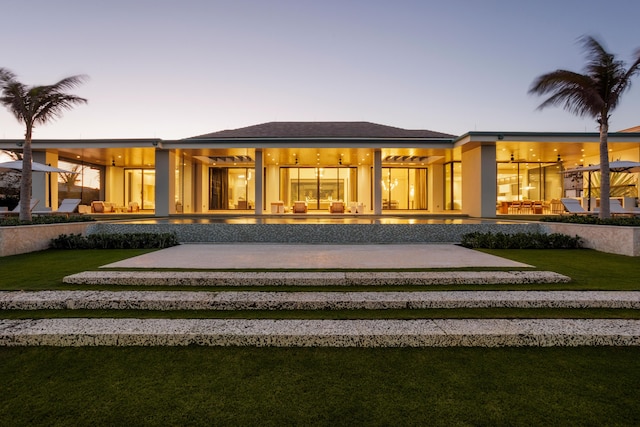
115, 241
520, 241
590, 219
44, 219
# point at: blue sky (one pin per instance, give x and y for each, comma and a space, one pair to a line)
174, 69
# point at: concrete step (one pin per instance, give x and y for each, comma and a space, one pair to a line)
185, 300
320, 333
305, 278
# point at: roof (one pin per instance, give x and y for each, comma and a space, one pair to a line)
323, 130
633, 129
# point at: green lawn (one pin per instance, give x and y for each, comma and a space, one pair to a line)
319, 386
324, 386
589, 270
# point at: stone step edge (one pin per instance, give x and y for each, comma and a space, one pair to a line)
366, 300
321, 333
215, 278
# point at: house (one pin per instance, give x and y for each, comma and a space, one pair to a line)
385, 169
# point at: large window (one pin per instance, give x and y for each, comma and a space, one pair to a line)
231, 188
84, 183
404, 188
318, 186
528, 181
453, 185
139, 185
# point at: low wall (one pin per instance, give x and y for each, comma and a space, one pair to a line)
30, 238
604, 238
315, 233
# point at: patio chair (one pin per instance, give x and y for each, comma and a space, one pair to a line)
615, 207
336, 207
299, 207
67, 207
134, 207
574, 207
15, 211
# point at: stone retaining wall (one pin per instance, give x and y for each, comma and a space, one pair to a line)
31, 238
604, 238
316, 233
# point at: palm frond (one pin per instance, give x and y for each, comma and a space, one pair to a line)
6, 75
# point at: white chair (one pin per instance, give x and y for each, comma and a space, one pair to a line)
67, 207
16, 210
574, 207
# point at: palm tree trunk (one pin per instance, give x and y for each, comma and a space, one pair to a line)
26, 180
605, 211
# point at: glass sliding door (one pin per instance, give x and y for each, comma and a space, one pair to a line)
140, 185
404, 188
318, 187
231, 188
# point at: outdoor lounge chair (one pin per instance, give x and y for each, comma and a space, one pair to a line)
574, 207
16, 210
616, 209
67, 207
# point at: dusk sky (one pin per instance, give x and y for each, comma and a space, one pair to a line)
175, 69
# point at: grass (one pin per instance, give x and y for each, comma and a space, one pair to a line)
323, 386
589, 270
319, 386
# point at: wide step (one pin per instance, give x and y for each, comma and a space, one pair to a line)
181, 300
320, 333
303, 278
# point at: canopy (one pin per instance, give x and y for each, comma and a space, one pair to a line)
617, 166
35, 167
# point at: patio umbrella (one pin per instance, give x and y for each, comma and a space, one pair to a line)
35, 167
617, 166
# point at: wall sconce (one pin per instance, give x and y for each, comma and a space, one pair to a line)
296, 160
154, 143
512, 157
559, 158
340, 161
113, 162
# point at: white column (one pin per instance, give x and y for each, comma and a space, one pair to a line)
165, 183
259, 172
377, 182
479, 181
436, 188
44, 186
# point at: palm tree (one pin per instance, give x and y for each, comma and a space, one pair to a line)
33, 105
596, 93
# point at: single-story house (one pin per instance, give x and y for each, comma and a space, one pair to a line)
377, 169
